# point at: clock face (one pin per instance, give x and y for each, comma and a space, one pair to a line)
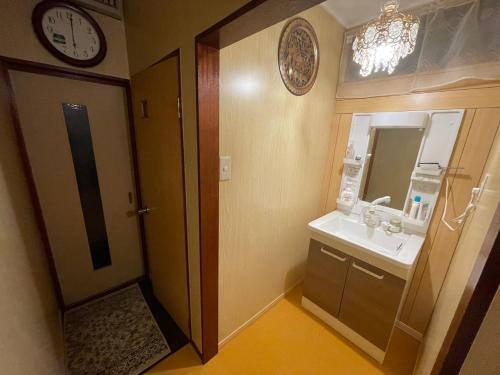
69, 33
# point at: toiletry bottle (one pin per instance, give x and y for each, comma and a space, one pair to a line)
424, 210
419, 210
350, 151
415, 204
347, 195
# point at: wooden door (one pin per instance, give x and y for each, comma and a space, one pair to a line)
326, 275
370, 302
155, 94
77, 139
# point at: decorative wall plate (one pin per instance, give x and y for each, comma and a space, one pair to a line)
298, 56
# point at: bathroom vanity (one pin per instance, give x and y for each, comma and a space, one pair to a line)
357, 276
362, 256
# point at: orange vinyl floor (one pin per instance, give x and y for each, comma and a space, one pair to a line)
286, 340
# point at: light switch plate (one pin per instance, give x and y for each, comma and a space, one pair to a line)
225, 168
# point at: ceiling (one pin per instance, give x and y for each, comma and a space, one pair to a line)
355, 12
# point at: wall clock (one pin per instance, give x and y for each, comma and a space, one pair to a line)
69, 33
298, 56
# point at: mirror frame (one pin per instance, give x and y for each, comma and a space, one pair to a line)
436, 146
391, 120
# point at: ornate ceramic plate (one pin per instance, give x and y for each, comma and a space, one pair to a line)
298, 56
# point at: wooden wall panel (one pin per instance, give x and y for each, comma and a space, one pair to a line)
341, 139
476, 97
469, 251
473, 160
329, 165
401, 353
436, 219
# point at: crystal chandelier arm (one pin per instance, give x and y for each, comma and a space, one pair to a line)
383, 42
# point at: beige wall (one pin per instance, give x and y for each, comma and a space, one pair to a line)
29, 318
461, 265
484, 355
279, 145
18, 40
154, 29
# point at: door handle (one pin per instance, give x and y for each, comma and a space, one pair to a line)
373, 274
145, 210
335, 256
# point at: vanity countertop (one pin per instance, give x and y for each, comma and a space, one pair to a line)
395, 253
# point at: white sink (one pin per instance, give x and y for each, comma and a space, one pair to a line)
372, 238
393, 252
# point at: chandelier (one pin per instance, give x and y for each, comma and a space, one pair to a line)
381, 43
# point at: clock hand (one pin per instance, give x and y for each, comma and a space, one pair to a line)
72, 31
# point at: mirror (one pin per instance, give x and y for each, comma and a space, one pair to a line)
393, 152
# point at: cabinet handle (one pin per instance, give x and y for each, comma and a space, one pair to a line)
380, 277
324, 251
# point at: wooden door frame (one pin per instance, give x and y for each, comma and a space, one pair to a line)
479, 292
253, 17
11, 64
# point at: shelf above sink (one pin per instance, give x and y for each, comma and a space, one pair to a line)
353, 163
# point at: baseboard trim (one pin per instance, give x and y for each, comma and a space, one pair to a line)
344, 330
266, 308
410, 331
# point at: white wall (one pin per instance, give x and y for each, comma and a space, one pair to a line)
279, 145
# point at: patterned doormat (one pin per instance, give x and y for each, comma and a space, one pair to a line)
115, 334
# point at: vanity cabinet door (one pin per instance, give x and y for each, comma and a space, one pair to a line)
370, 302
325, 277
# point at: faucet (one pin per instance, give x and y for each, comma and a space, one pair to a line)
370, 217
381, 200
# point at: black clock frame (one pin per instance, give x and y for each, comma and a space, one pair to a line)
42, 8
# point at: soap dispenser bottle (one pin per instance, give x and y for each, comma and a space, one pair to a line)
415, 204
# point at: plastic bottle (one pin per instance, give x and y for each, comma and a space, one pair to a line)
424, 210
415, 204
347, 195
350, 151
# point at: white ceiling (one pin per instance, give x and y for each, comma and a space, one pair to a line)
355, 12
